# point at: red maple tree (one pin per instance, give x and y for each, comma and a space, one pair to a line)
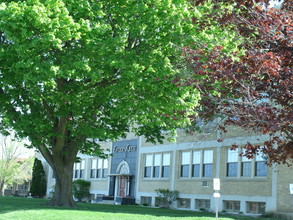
254, 92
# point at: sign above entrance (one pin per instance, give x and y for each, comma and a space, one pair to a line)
128, 148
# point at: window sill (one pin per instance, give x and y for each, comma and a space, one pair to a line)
156, 179
249, 179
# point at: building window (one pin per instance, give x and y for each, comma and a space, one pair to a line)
256, 207
201, 164
184, 203
232, 206
79, 170
99, 168
208, 163
146, 200
241, 166
185, 163
148, 165
166, 165
157, 165
202, 204
196, 163
261, 168
232, 163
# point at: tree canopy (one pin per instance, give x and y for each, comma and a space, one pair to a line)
74, 70
251, 88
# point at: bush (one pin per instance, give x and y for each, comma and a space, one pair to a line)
167, 197
268, 215
81, 189
39, 183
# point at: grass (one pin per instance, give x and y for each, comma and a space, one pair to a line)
33, 209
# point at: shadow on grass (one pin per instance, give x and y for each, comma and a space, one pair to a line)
11, 204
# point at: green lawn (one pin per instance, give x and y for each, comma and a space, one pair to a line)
13, 208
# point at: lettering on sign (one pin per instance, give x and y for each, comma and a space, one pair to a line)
128, 148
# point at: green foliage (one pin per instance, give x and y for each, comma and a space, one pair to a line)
13, 168
81, 189
39, 183
167, 197
112, 61
72, 70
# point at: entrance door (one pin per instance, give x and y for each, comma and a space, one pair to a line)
122, 186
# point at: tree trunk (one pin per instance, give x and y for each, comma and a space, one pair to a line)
2, 188
62, 165
63, 187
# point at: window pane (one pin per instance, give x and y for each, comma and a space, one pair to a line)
237, 206
183, 203
166, 159
76, 173
100, 163
261, 168
246, 169
184, 170
157, 161
99, 173
165, 171
149, 160
94, 164
106, 163
232, 156
232, 169
147, 172
261, 208
93, 172
195, 170
156, 172
208, 156
77, 166
82, 164
245, 159
105, 173
185, 158
207, 170
196, 157
81, 174
202, 204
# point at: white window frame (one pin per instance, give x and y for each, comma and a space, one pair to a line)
241, 163
158, 162
201, 161
99, 168
78, 170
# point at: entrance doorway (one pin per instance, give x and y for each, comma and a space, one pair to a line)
122, 186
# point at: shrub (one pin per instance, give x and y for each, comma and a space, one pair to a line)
268, 215
167, 197
81, 189
39, 183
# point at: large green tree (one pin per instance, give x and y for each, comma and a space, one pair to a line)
71, 70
